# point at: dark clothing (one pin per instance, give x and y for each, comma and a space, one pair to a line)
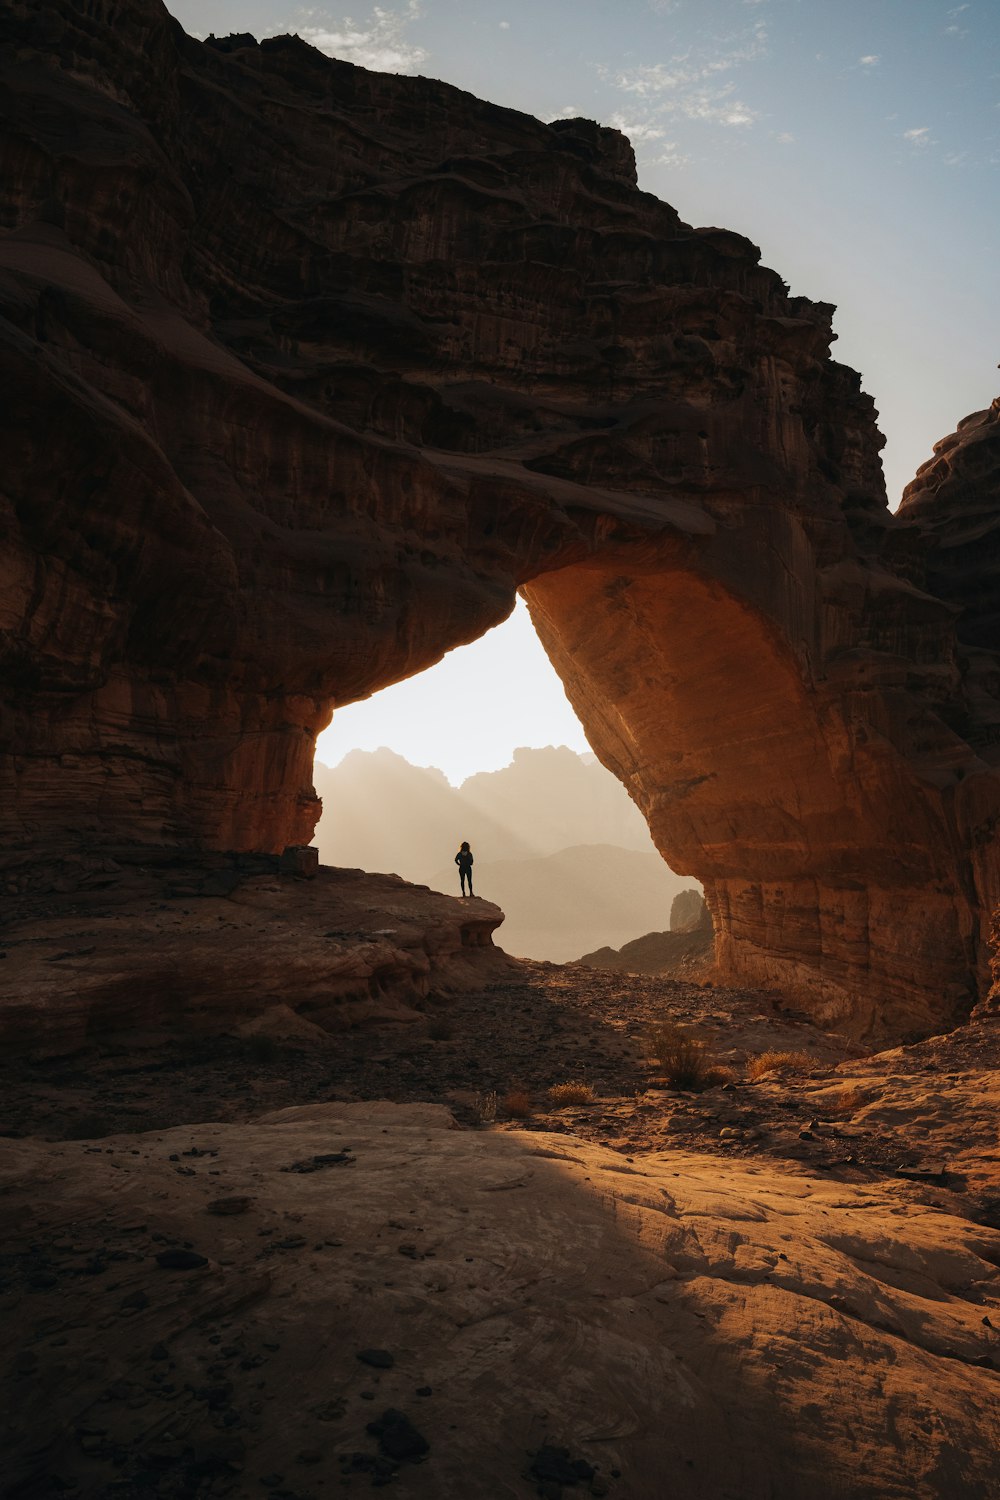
464, 861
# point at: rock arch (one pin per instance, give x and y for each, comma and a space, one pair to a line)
313, 368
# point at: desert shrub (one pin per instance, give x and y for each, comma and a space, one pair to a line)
686, 1062
717, 1074
844, 1102
485, 1107
439, 1029
779, 1062
570, 1093
518, 1104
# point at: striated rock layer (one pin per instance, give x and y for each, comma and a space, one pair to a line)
312, 368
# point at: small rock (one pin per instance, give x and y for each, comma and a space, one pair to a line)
379, 1359
180, 1260
923, 1172
555, 1466
227, 1206
397, 1436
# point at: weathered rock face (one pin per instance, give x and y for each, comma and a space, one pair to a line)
312, 368
231, 943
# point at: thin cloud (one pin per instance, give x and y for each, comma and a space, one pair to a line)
639, 132
919, 136
670, 156
380, 43
871, 61
695, 88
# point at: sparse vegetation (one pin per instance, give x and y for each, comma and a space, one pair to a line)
686, 1062
845, 1102
779, 1062
518, 1104
439, 1029
485, 1107
570, 1093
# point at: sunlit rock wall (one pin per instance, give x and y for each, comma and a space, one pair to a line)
311, 368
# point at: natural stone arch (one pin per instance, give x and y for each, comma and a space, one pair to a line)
762, 787
276, 445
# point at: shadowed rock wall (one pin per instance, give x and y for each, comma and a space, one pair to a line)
312, 368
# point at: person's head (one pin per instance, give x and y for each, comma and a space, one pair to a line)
464, 848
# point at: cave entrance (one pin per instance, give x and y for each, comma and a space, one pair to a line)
485, 746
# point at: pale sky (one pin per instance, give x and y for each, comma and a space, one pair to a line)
856, 141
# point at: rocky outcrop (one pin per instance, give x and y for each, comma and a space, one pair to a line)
688, 911
97, 946
684, 955
685, 951
312, 368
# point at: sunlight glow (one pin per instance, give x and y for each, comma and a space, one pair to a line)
467, 714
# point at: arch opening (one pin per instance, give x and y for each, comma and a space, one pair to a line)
485, 746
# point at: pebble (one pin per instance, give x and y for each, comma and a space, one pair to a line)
180, 1260
379, 1359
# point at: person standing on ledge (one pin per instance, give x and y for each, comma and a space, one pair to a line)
464, 861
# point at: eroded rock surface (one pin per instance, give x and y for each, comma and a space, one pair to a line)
174, 945
312, 368
271, 1291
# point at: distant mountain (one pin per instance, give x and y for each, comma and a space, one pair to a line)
381, 813
559, 903
557, 841
560, 799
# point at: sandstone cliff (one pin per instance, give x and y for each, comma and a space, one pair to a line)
312, 368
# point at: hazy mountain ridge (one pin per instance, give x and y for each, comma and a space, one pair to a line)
558, 843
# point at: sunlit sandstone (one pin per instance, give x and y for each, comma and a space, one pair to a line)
313, 368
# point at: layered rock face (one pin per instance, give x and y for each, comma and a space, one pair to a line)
312, 368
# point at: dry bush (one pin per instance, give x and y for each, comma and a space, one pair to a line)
716, 1074
570, 1093
779, 1062
686, 1062
439, 1029
485, 1108
518, 1104
844, 1102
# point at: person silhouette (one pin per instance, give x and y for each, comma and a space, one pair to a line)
464, 861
